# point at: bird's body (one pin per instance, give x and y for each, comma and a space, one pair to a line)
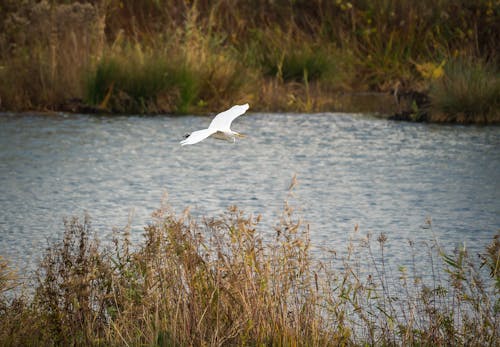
226, 136
219, 128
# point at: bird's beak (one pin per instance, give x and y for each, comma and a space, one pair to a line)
241, 135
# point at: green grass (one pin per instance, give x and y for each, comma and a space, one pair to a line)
218, 281
143, 84
287, 56
469, 92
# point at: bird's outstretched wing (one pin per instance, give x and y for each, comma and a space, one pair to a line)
223, 120
197, 136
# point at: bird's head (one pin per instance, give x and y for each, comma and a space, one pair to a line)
186, 135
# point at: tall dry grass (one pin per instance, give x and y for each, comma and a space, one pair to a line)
222, 281
44, 50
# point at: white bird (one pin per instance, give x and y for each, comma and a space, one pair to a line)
219, 127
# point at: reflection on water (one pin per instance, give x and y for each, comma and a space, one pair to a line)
352, 169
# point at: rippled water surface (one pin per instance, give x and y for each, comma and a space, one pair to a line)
352, 169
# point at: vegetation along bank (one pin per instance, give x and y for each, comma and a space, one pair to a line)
426, 60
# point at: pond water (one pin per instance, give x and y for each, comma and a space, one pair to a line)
381, 175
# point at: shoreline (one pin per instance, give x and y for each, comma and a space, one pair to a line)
413, 107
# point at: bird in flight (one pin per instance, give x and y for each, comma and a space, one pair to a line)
219, 128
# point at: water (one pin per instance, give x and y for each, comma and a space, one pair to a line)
352, 170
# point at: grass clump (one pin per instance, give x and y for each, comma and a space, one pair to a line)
138, 82
218, 281
289, 56
468, 92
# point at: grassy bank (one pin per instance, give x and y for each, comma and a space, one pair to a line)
177, 56
217, 281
